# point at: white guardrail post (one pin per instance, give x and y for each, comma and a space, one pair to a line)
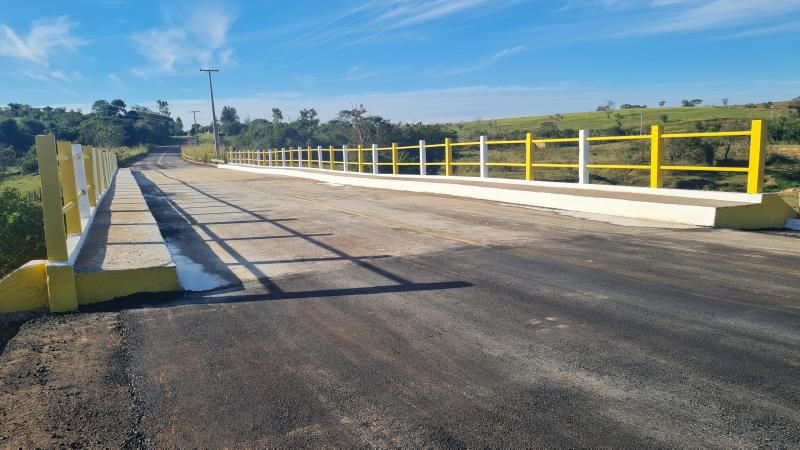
283, 157
375, 159
484, 157
299, 156
344, 157
319, 156
269, 157
423, 158
80, 181
583, 157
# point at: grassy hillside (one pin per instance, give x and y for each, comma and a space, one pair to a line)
677, 119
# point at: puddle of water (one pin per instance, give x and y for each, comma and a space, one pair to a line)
192, 276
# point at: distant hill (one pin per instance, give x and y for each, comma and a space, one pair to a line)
674, 119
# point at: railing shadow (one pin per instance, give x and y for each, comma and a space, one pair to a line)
179, 227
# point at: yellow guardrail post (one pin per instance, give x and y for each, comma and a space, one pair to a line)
360, 158
72, 215
395, 167
758, 151
91, 176
309, 157
448, 157
330, 157
529, 156
61, 292
656, 157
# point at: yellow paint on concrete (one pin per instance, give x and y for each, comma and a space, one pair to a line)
771, 213
95, 287
24, 289
61, 294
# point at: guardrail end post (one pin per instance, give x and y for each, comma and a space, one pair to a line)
583, 157
656, 157
484, 157
423, 158
62, 295
758, 153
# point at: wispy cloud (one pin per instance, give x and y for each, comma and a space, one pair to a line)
357, 72
201, 37
684, 16
479, 65
305, 80
114, 77
45, 37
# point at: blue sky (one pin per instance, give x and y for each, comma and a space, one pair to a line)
410, 60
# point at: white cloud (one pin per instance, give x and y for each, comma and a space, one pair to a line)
45, 37
356, 73
305, 80
710, 15
200, 38
479, 65
114, 77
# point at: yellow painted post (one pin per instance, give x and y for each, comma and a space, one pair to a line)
395, 167
291, 156
448, 157
529, 175
61, 292
309, 157
54, 231
656, 157
330, 154
360, 158
758, 151
88, 167
66, 166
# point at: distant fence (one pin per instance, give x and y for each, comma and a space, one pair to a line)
371, 158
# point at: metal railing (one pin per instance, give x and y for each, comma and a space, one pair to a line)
300, 157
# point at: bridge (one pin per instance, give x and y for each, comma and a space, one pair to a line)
312, 310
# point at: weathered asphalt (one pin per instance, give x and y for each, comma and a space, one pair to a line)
368, 318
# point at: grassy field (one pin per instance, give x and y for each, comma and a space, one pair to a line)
677, 119
23, 183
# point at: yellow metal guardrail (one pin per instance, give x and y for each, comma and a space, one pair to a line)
300, 157
74, 180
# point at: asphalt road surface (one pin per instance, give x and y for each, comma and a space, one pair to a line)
345, 317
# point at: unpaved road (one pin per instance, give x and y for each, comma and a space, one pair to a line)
350, 317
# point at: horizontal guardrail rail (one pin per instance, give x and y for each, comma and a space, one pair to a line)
74, 179
342, 159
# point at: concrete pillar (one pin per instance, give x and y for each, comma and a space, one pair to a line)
80, 181
344, 158
375, 159
423, 158
484, 157
319, 156
583, 157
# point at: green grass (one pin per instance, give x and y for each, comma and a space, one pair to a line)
204, 152
23, 183
128, 155
678, 119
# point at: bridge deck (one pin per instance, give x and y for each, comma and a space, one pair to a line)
352, 317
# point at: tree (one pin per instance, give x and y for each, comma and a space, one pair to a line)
608, 108
103, 108
691, 103
356, 118
119, 105
305, 125
277, 115
664, 118
103, 131
178, 127
229, 119
662, 103
724, 102
163, 107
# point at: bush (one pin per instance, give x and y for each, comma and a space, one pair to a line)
30, 162
21, 230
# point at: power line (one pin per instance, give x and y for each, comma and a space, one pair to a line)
213, 111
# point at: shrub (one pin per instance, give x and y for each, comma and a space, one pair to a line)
21, 230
